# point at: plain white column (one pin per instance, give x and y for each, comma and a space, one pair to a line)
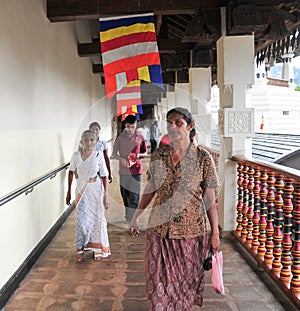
288, 69
182, 95
235, 59
200, 91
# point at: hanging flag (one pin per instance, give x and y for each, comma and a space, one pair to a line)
129, 99
262, 123
129, 51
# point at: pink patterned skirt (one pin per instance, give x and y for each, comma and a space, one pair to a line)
174, 272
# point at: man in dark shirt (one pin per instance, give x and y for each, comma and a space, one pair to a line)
129, 148
153, 135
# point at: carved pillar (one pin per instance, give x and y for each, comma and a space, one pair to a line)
295, 282
285, 273
239, 218
263, 215
256, 216
270, 220
250, 212
235, 73
245, 203
277, 239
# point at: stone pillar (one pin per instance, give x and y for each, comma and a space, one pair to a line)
171, 100
235, 59
200, 91
260, 76
288, 69
163, 116
182, 95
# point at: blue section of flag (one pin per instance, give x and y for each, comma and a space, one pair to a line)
115, 23
140, 109
155, 72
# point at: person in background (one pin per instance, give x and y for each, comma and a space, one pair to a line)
193, 135
129, 148
182, 180
153, 135
101, 146
144, 130
166, 140
91, 198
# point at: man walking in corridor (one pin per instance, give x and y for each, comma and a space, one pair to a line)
129, 148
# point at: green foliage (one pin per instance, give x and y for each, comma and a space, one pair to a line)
297, 88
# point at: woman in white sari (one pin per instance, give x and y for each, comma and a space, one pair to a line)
91, 199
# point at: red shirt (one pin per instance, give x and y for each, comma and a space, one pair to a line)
165, 140
124, 145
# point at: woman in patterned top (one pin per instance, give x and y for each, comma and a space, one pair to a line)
182, 178
91, 198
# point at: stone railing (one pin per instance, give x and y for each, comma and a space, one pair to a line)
268, 220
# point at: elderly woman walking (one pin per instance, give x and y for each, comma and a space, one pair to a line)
91, 198
182, 178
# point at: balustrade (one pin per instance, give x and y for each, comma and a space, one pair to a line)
268, 220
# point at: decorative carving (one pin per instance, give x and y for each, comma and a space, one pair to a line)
238, 122
221, 121
246, 19
276, 29
204, 28
202, 57
203, 124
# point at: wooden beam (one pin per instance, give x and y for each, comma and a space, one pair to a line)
164, 46
70, 10
97, 68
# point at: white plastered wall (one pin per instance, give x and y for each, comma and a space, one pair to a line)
47, 93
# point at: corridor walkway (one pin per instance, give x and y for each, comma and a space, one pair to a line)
58, 283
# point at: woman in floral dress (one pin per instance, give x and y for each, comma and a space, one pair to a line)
182, 181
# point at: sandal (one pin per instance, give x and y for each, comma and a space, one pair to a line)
98, 256
79, 256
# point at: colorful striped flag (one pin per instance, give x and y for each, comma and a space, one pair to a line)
129, 99
129, 51
262, 123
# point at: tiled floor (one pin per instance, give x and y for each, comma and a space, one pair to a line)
58, 283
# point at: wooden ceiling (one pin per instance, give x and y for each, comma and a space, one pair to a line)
187, 30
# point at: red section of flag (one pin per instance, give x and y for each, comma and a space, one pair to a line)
128, 39
128, 63
129, 89
132, 75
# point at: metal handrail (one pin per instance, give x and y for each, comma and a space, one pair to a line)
30, 186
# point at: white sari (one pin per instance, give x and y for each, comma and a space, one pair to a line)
91, 228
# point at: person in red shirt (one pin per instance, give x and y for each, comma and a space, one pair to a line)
165, 140
129, 148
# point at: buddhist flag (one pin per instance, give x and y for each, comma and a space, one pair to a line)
129, 99
129, 51
262, 122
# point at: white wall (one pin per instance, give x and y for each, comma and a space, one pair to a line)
47, 93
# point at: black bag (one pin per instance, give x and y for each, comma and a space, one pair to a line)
207, 262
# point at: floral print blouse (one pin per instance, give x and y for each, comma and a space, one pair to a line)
178, 211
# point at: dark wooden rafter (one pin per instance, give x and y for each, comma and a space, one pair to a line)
192, 27
69, 10
164, 46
